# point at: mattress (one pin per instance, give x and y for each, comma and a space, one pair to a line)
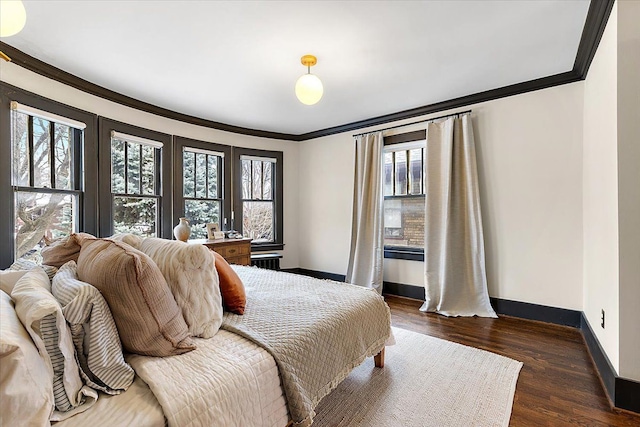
226, 381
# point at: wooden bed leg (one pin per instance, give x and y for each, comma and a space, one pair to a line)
378, 359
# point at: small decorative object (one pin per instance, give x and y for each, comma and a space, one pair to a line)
212, 229
182, 231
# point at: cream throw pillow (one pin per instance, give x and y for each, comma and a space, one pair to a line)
26, 384
190, 271
41, 315
8, 279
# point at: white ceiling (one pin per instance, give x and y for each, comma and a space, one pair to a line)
236, 62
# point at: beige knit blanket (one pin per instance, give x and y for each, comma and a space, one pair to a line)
316, 330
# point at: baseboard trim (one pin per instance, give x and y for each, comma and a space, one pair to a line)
600, 359
542, 313
627, 394
523, 310
402, 290
622, 392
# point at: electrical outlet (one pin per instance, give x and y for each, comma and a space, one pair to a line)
602, 319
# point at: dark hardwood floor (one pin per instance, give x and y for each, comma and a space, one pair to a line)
558, 384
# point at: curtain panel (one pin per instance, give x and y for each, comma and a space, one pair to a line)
455, 275
367, 239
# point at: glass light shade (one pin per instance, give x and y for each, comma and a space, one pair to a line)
309, 89
13, 16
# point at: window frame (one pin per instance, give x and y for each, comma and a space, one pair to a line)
277, 188
165, 207
179, 143
87, 176
402, 252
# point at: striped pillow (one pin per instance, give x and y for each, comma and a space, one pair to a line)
51, 338
42, 316
94, 332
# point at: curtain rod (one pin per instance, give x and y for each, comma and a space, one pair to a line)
413, 123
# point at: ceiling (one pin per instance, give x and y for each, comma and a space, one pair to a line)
236, 62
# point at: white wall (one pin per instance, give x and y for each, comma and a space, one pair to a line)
529, 150
600, 193
628, 15
20, 77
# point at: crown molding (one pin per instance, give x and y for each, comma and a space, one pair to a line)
595, 23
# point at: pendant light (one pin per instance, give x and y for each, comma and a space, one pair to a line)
309, 87
13, 16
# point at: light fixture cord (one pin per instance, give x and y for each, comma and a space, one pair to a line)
308, 69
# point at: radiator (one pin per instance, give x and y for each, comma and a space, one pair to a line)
267, 261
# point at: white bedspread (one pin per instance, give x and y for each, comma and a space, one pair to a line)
226, 381
135, 407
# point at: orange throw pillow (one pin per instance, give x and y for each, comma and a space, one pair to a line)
234, 298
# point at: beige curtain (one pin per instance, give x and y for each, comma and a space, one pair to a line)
455, 276
367, 243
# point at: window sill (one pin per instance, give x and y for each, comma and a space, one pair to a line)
409, 254
260, 247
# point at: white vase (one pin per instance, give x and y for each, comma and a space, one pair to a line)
182, 231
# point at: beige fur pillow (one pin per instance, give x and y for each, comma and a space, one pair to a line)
191, 274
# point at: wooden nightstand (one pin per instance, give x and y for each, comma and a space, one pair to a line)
235, 251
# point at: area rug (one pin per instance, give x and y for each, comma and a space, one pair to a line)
426, 381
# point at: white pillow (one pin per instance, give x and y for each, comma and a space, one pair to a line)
190, 271
94, 332
8, 279
41, 314
26, 384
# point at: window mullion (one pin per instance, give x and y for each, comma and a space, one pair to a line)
30, 148
407, 175
393, 172
126, 167
195, 175
251, 180
219, 190
206, 176
140, 164
52, 156
157, 155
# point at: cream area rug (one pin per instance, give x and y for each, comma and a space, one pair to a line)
426, 381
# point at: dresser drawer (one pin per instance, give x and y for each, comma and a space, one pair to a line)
235, 251
229, 251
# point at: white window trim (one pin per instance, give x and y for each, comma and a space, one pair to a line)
201, 151
136, 139
21, 108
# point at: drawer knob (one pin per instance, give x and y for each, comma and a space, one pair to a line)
232, 251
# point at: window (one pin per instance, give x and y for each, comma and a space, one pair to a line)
45, 186
200, 185
258, 204
403, 190
132, 177
135, 184
41, 172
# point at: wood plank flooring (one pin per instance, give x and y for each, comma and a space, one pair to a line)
558, 384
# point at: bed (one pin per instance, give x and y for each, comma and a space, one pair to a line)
297, 340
